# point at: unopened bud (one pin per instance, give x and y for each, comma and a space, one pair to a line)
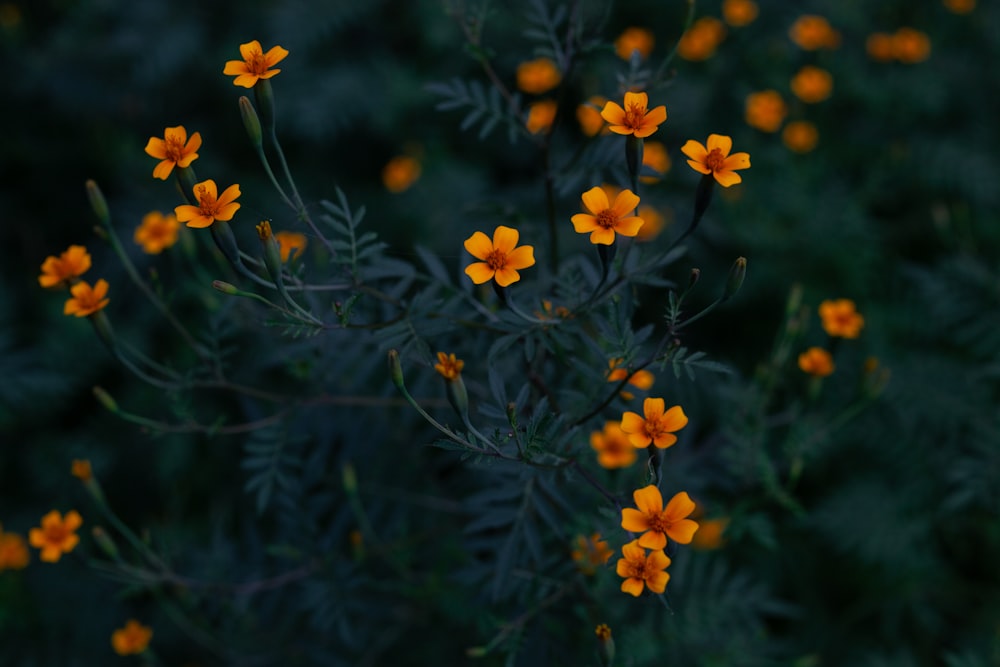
98, 203
737, 273
105, 399
105, 542
395, 369
272, 251
350, 479
250, 121
607, 645
225, 288
693, 278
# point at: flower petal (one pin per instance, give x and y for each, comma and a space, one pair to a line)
679, 507
194, 144
629, 226
621, 129
727, 178
632, 423
157, 148
648, 499
625, 203
633, 520
613, 113
720, 141
596, 200
665, 440
653, 408
633, 586
655, 116
699, 167
657, 560
229, 194
583, 223
163, 169
479, 246
737, 161
601, 236
275, 55
521, 258
480, 272
633, 552
507, 276
209, 188
246, 80
226, 213
653, 540
657, 581
505, 239
683, 531
695, 150
637, 99
235, 67
623, 567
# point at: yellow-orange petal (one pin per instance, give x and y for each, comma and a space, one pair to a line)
157, 148
163, 169
674, 419
480, 272
235, 67
725, 178
637, 99
658, 560
275, 55
521, 258
246, 80
506, 276
679, 506
613, 113
655, 116
505, 239
648, 499
657, 581
625, 203
653, 540
695, 150
633, 552
699, 167
602, 236
583, 223
633, 586
632, 422
250, 49
737, 161
227, 212
720, 141
621, 567
634, 521
683, 531
653, 407
479, 245
595, 200
629, 226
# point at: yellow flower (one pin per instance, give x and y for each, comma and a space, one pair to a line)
634, 39
157, 232
400, 173
840, 318
290, 244
86, 300
811, 32
812, 84
538, 76
211, 207
13, 551
800, 136
911, 46
653, 223
588, 115
710, 534
255, 64
634, 118
702, 39
654, 156
816, 362
132, 639
959, 6
541, 114
448, 366
612, 447
58, 271
501, 258
656, 523
739, 13
605, 219
81, 470
590, 553
765, 110
656, 427
715, 159
641, 379
641, 571
174, 149
57, 535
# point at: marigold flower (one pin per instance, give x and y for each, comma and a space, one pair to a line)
634, 118
156, 232
541, 115
290, 244
840, 318
641, 379
448, 366
655, 156
657, 427
612, 447
765, 110
400, 173
811, 32
800, 136
641, 570
816, 362
58, 271
588, 115
211, 206
13, 551
656, 523
605, 219
603, 632
86, 300
501, 258
174, 149
132, 639
590, 553
739, 13
538, 76
879, 47
910, 46
701, 39
710, 534
959, 6
634, 39
715, 159
255, 65
57, 535
653, 223
82, 470
812, 84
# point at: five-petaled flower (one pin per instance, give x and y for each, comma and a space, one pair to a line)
57, 271
211, 206
816, 362
157, 232
612, 446
57, 535
714, 158
656, 523
840, 318
605, 218
656, 427
174, 149
132, 639
641, 570
501, 258
86, 300
255, 64
448, 366
590, 553
634, 118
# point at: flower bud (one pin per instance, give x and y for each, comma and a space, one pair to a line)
105, 399
350, 479
250, 121
607, 645
225, 288
98, 203
693, 278
272, 251
396, 370
737, 273
225, 240
105, 542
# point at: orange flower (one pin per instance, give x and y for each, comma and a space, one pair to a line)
81, 470
653, 223
13, 551
656, 523
174, 149
812, 84
538, 76
132, 639
657, 427
541, 114
634, 118
879, 47
641, 379
86, 300
58, 271
210, 206
612, 447
400, 173
716, 160
840, 318
57, 535
710, 534
739, 13
800, 136
255, 64
654, 156
702, 39
959, 6
157, 232
448, 366
290, 244
589, 115
634, 39
605, 219
590, 553
765, 110
641, 571
816, 362
911, 46
501, 258
811, 32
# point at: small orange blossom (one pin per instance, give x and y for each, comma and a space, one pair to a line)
812, 84
13, 551
538, 76
590, 553
816, 362
255, 65
448, 366
641, 379
656, 523
132, 639
173, 150
634, 39
634, 118
57, 535
765, 110
211, 206
541, 115
612, 447
739, 13
800, 136
656, 427
400, 173
841, 318
86, 300
290, 244
702, 39
641, 571
501, 258
714, 158
811, 32
58, 271
605, 219
156, 232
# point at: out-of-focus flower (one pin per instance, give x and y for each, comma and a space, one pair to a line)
605, 219
156, 232
714, 158
13, 551
612, 447
816, 362
656, 523
59, 271
173, 150
653, 223
710, 534
641, 379
765, 110
634, 118
911, 46
57, 535
640, 570
800, 136
701, 39
255, 65
812, 84
655, 156
811, 32
400, 173
634, 39
501, 258
132, 639
656, 427
81, 470
448, 366
588, 115
841, 318
879, 47
290, 244
739, 13
590, 553
959, 6
538, 76
541, 115
211, 206
86, 300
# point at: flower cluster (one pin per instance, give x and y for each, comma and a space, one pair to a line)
65, 271
57, 535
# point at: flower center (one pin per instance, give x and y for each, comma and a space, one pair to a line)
206, 202
634, 115
174, 148
606, 219
715, 160
496, 260
654, 428
257, 64
57, 534
655, 522
637, 569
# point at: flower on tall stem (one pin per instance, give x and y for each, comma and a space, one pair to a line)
714, 159
173, 150
157, 232
255, 65
449, 366
656, 426
606, 219
642, 571
634, 118
57, 535
86, 300
500, 258
59, 271
656, 523
211, 206
816, 362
